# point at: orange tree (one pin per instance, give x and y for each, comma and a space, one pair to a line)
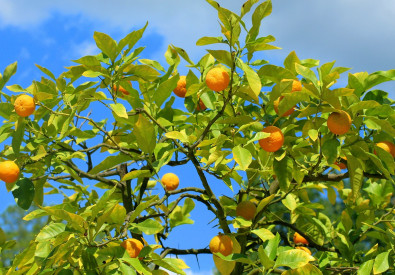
303, 203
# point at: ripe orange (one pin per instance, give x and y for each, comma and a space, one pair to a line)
217, 79
221, 244
246, 209
24, 105
9, 171
181, 88
170, 181
273, 142
339, 122
133, 247
387, 146
201, 106
341, 164
299, 239
304, 249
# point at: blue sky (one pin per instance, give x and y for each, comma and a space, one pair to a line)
357, 33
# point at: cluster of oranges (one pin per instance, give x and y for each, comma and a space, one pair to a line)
217, 79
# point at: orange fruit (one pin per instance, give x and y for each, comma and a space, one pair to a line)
387, 146
304, 249
299, 239
24, 105
273, 142
9, 171
181, 88
246, 209
170, 181
341, 164
133, 247
201, 106
221, 244
217, 79
339, 122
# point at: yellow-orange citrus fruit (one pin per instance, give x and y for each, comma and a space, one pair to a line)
304, 249
200, 106
181, 88
170, 181
296, 85
299, 239
217, 79
120, 89
339, 122
24, 105
277, 102
273, 142
221, 244
387, 146
246, 209
341, 165
133, 247
9, 171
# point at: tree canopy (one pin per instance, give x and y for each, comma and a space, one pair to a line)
310, 164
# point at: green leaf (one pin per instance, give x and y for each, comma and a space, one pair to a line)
6, 109
307, 269
247, 7
132, 38
102, 202
148, 227
177, 135
275, 73
208, 40
141, 207
17, 137
50, 231
356, 175
222, 56
164, 90
145, 135
265, 261
136, 264
366, 268
3, 237
74, 220
330, 149
119, 110
109, 162
106, 44
46, 71
137, 174
293, 258
9, 71
126, 270
252, 77
283, 170
143, 71
262, 204
263, 233
263, 10
23, 192
307, 73
381, 263
242, 156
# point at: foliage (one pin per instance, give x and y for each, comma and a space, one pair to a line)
67, 145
